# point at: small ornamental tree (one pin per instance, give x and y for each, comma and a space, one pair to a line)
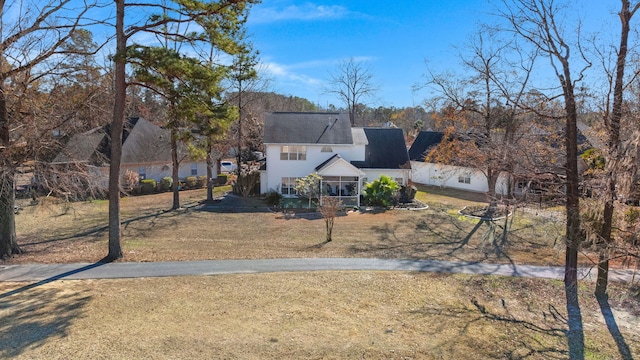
309, 186
381, 192
328, 209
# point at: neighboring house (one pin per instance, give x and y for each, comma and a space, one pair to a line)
443, 175
298, 144
473, 179
146, 151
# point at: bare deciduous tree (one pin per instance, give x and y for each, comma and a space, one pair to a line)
329, 210
535, 22
612, 122
483, 108
33, 44
538, 23
352, 82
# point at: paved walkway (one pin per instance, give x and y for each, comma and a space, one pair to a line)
52, 272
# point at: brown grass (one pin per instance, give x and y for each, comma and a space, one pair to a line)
320, 315
329, 315
244, 229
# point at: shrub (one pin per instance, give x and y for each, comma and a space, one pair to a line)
221, 179
190, 182
273, 198
381, 192
165, 183
130, 180
408, 193
632, 215
147, 186
201, 181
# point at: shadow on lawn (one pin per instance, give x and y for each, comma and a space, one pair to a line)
529, 339
98, 231
230, 203
154, 220
30, 314
612, 326
439, 236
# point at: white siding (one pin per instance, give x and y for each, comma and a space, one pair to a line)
449, 176
374, 174
277, 169
158, 171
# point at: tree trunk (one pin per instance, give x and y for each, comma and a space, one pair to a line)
492, 179
613, 127
8, 241
115, 248
175, 169
572, 185
239, 150
329, 227
209, 173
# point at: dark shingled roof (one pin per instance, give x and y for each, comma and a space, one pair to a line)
423, 143
324, 163
80, 148
143, 142
307, 128
386, 150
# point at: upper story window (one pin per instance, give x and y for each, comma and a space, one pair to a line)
293, 152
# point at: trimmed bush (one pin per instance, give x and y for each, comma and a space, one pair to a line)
408, 193
165, 183
147, 186
221, 179
191, 182
201, 181
273, 198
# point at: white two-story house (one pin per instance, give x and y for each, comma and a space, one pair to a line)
298, 144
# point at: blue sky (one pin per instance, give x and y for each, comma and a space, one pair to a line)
301, 42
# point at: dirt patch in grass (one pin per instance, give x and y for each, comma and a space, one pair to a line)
329, 315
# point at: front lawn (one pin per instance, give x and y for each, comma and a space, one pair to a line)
237, 228
314, 315
328, 314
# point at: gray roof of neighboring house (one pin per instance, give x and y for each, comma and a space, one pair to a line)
143, 142
386, 150
307, 128
424, 142
148, 143
80, 148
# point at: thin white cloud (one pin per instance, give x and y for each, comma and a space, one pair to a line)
305, 12
285, 73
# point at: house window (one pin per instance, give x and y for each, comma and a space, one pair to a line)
340, 185
289, 186
464, 179
142, 173
326, 149
293, 152
194, 169
400, 181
